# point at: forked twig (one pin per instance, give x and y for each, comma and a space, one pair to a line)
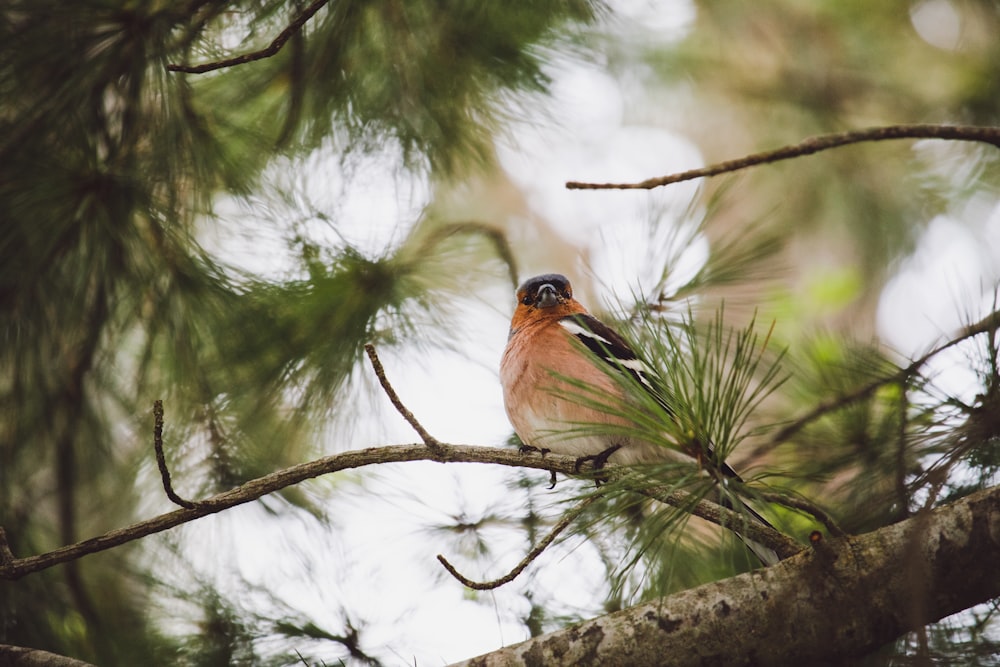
560, 526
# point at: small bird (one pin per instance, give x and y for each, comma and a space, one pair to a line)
554, 346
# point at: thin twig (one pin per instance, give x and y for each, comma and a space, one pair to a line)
429, 440
803, 505
732, 520
560, 526
496, 236
989, 135
986, 324
270, 50
161, 460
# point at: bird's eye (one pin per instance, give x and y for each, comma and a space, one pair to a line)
526, 300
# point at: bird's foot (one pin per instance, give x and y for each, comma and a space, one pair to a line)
524, 449
598, 460
527, 449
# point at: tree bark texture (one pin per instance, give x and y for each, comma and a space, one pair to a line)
21, 656
843, 598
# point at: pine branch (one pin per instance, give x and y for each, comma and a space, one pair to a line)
988, 135
431, 449
270, 50
989, 323
257, 488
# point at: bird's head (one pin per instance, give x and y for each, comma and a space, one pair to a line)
549, 295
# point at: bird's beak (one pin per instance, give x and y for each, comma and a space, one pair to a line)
547, 296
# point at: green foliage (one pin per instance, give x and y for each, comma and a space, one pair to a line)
430, 76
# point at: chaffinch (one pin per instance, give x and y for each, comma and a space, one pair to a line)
555, 347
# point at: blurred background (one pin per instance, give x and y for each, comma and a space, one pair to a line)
228, 241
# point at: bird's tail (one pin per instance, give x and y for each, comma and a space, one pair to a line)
766, 554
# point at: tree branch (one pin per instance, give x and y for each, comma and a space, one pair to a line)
444, 453
794, 612
989, 135
722, 516
22, 656
801, 504
268, 51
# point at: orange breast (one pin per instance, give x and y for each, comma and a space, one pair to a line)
542, 406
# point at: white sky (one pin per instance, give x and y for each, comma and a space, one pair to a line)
378, 561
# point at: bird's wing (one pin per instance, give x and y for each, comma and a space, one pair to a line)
612, 349
605, 343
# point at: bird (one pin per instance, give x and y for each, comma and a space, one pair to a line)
554, 347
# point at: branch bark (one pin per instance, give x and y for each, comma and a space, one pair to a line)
21, 656
15, 568
842, 599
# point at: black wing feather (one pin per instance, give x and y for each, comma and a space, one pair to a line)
612, 349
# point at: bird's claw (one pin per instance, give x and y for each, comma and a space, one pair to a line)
525, 449
598, 460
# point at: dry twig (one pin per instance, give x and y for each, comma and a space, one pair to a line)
988, 135
535, 552
429, 440
161, 461
271, 49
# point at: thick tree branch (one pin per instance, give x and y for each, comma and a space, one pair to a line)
22, 656
840, 600
989, 135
